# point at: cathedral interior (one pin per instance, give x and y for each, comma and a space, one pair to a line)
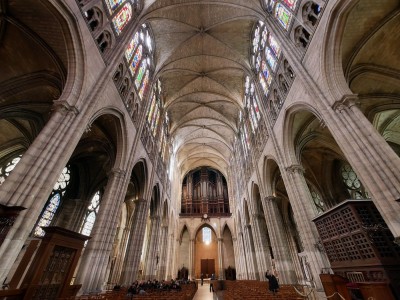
163, 139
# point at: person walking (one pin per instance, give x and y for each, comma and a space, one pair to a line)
202, 278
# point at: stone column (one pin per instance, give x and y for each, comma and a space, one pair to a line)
243, 257
162, 260
301, 202
116, 276
250, 255
371, 157
94, 261
150, 262
279, 243
192, 256
261, 245
30, 183
170, 256
135, 243
221, 273
236, 255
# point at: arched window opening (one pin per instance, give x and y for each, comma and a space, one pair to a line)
91, 214
6, 169
251, 104
53, 203
352, 182
139, 57
154, 113
206, 235
266, 55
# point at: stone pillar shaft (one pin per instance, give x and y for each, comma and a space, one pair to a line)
303, 213
135, 244
280, 247
221, 274
92, 272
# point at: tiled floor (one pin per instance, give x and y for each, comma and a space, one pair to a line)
203, 292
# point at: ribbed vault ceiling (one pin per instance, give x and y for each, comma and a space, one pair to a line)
202, 57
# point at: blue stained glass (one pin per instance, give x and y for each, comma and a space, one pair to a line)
265, 70
47, 215
270, 59
136, 60
274, 45
132, 46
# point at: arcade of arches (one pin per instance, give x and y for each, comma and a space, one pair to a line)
202, 136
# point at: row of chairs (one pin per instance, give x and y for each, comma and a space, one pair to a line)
256, 290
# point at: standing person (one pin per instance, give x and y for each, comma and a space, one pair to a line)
211, 283
272, 282
202, 278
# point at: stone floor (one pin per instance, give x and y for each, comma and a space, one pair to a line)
203, 292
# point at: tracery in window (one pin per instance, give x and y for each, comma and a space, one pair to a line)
142, 47
352, 182
319, 204
53, 203
91, 214
6, 169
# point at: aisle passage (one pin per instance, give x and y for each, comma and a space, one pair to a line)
203, 292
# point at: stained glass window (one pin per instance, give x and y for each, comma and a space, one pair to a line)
113, 4
91, 214
47, 215
140, 73
290, 3
283, 15
270, 59
8, 167
265, 70
274, 45
122, 17
136, 60
152, 107
53, 203
144, 85
156, 121
132, 46
263, 83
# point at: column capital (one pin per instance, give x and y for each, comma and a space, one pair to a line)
220, 239
345, 103
295, 169
64, 107
139, 201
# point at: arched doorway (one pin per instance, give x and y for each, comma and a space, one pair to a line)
206, 252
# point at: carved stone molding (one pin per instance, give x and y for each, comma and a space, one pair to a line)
345, 103
295, 169
64, 107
